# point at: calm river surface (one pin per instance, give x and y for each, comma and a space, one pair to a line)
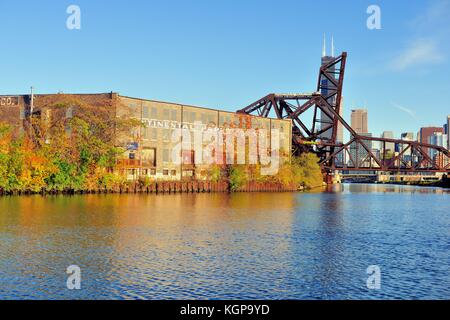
220, 246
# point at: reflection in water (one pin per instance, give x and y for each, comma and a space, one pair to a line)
261, 245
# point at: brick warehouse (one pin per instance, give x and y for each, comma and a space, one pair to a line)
148, 148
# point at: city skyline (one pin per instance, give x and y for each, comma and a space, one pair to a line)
448, 132
435, 135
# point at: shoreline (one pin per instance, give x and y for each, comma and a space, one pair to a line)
169, 187
439, 184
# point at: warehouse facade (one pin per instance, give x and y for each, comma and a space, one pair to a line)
166, 145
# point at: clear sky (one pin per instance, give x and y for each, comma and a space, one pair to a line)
228, 53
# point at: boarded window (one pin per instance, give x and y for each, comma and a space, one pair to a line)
174, 115
145, 112
166, 134
149, 157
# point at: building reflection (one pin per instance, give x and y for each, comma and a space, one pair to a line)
138, 239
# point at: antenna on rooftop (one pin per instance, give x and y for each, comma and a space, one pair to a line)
32, 101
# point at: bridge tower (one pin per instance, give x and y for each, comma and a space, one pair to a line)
320, 137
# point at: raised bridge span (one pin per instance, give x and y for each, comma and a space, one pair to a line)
317, 131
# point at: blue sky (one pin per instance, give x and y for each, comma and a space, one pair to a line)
226, 54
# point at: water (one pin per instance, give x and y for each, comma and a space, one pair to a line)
220, 246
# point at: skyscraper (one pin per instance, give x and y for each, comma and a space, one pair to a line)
359, 154
340, 128
325, 84
359, 121
437, 139
448, 132
426, 133
407, 156
390, 147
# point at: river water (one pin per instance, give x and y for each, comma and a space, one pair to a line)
218, 246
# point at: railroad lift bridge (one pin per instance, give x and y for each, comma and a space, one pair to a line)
317, 132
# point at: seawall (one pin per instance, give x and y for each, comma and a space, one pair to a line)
170, 187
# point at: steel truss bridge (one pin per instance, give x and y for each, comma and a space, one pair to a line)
319, 134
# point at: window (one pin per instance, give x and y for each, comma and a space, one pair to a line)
154, 134
166, 114
154, 113
188, 156
132, 156
188, 173
192, 117
174, 115
145, 112
152, 172
173, 172
165, 172
149, 157
144, 172
166, 134
145, 133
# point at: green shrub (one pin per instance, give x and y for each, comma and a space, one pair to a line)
237, 177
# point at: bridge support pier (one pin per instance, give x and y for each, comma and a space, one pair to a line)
329, 178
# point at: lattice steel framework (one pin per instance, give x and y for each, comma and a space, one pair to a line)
320, 135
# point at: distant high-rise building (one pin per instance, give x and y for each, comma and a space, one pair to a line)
408, 136
376, 152
448, 132
359, 121
340, 157
340, 128
407, 155
426, 133
390, 147
325, 85
359, 153
438, 139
